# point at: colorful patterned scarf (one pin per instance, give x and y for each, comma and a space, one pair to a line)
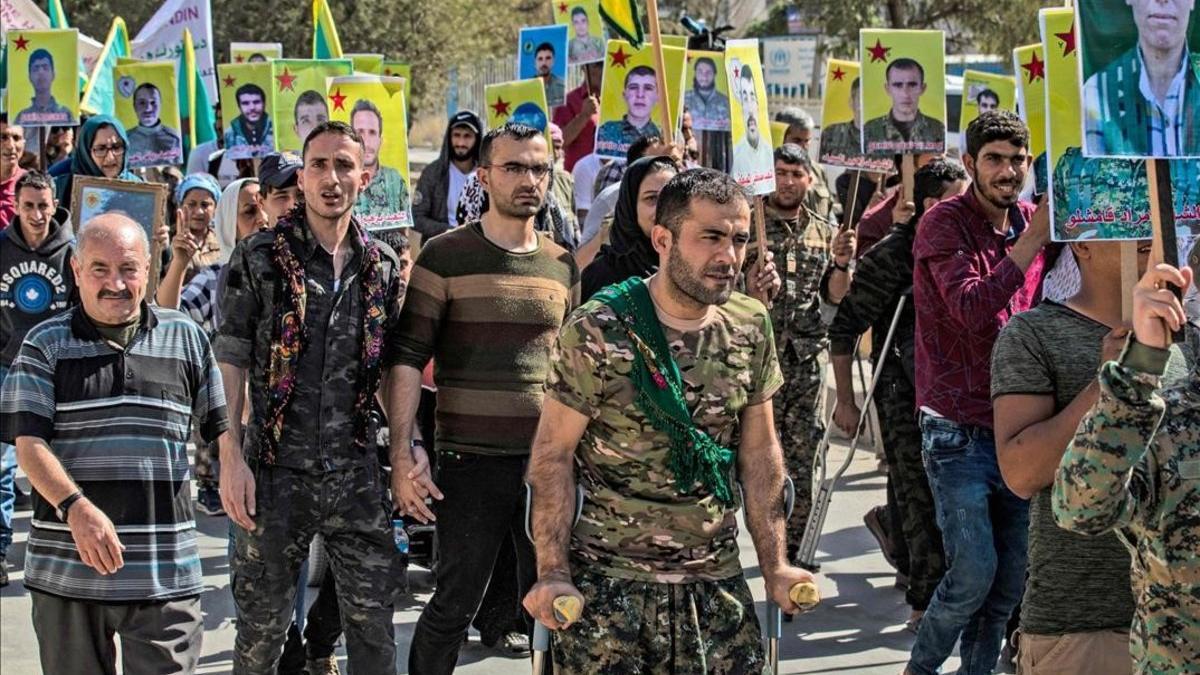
694, 456
289, 337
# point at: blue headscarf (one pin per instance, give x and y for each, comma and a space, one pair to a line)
200, 181
82, 163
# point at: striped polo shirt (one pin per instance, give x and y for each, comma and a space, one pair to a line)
488, 317
119, 421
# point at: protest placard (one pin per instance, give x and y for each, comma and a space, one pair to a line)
161, 39
904, 91
753, 155
1140, 68
586, 43
374, 106
630, 99
982, 92
146, 104
540, 54
1029, 63
707, 94
246, 97
299, 97
522, 101
1096, 198
43, 77
841, 131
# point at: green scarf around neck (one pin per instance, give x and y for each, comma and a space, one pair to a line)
694, 456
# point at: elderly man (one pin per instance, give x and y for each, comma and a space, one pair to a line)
100, 403
1147, 100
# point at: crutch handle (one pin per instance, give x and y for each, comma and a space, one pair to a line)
805, 594
567, 608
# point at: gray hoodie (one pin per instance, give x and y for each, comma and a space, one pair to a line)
35, 284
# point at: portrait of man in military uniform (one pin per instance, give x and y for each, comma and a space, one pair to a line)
556, 89
310, 111
844, 139
152, 142
640, 94
43, 109
583, 47
386, 194
709, 107
1141, 92
904, 129
251, 129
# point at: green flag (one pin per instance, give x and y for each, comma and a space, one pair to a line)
98, 95
195, 111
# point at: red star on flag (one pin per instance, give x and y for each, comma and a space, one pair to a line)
286, 81
839, 74
500, 107
228, 80
22, 44
1067, 39
240, 59
562, 8
339, 99
1035, 69
619, 57
878, 52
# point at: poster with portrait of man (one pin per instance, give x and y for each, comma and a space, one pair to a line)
753, 155
43, 77
540, 53
982, 92
299, 105
254, 52
630, 99
146, 101
520, 101
841, 110
585, 28
1029, 63
1139, 62
246, 94
374, 106
707, 94
904, 91
1097, 198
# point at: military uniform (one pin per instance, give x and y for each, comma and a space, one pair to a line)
658, 568
614, 138
708, 114
42, 115
802, 254
384, 202
1134, 467
319, 479
241, 146
882, 277
882, 136
585, 50
150, 146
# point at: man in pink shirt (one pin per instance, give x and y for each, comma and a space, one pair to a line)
980, 259
12, 144
578, 116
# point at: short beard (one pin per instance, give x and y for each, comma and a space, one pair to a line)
688, 282
510, 209
460, 157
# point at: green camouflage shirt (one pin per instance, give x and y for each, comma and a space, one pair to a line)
384, 202
881, 136
802, 253
1134, 466
635, 523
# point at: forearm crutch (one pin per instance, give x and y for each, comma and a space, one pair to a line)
807, 553
804, 594
566, 607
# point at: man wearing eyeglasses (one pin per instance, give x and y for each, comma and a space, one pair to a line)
485, 301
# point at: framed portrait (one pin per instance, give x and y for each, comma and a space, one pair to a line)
246, 98
585, 29
147, 104
903, 91
145, 203
630, 99
841, 123
43, 77
541, 54
1139, 61
375, 107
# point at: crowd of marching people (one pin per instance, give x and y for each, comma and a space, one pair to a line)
616, 325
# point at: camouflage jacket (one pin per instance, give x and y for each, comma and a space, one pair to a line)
635, 523
801, 247
1135, 464
882, 136
318, 424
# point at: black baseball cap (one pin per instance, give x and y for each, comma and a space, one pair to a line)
465, 118
278, 170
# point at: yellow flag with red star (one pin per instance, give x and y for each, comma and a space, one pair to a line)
522, 101
300, 103
1029, 63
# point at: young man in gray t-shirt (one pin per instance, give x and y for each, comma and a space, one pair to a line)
1078, 604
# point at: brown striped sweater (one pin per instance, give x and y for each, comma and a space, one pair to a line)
488, 318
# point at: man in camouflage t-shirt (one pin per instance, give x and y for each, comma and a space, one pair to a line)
656, 564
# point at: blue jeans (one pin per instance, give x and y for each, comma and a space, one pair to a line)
8, 474
985, 530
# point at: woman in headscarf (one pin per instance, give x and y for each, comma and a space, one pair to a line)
100, 152
195, 246
629, 251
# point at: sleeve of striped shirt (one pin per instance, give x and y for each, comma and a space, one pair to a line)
196, 299
424, 310
239, 309
208, 405
27, 398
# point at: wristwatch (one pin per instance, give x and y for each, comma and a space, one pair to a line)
417, 443
65, 505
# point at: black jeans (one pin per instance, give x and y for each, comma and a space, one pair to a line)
322, 628
483, 506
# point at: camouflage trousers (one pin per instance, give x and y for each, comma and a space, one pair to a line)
669, 629
348, 509
800, 429
895, 399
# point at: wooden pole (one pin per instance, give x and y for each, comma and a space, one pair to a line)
1163, 248
853, 201
760, 227
43, 141
660, 73
907, 171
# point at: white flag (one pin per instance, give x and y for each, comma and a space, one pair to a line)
161, 39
